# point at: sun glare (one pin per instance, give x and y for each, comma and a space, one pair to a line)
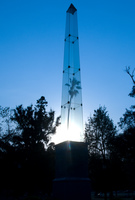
62, 134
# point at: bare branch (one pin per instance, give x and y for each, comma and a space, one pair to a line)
130, 74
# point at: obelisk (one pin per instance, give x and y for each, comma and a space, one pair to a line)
71, 104
71, 171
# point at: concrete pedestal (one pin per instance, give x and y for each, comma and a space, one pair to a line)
71, 177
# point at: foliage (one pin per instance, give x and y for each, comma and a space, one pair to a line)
26, 156
131, 74
116, 168
35, 124
99, 131
5, 120
126, 146
128, 119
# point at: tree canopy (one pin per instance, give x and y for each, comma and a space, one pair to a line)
26, 154
112, 153
99, 131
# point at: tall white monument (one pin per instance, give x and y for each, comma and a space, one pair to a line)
71, 171
71, 106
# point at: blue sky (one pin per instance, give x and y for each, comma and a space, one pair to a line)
32, 49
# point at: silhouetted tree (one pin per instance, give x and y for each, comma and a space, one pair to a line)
126, 147
131, 74
5, 120
100, 131
128, 119
127, 122
26, 155
35, 125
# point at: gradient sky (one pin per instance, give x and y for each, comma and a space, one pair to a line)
32, 48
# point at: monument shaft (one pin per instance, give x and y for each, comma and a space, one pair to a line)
71, 106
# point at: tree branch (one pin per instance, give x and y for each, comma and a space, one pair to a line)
129, 73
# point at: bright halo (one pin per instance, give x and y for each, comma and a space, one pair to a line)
62, 134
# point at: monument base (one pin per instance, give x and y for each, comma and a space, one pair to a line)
71, 177
71, 188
